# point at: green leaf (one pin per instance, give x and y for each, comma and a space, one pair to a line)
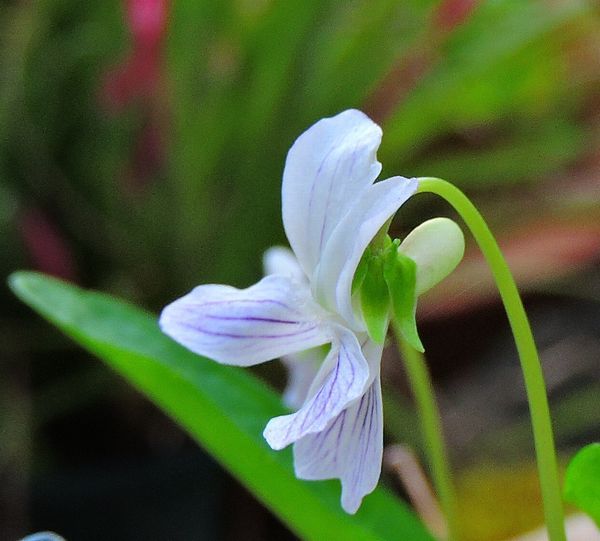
375, 300
582, 481
224, 408
527, 154
356, 47
400, 273
479, 77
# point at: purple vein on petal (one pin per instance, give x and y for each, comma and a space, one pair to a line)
331, 386
242, 336
312, 194
365, 441
326, 214
239, 301
326, 403
337, 166
322, 448
360, 406
318, 399
254, 318
339, 434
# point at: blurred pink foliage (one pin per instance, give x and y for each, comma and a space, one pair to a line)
148, 157
147, 20
451, 13
138, 78
139, 74
47, 248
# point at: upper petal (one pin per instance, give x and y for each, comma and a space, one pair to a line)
341, 379
274, 317
326, 170
350, 449
333, 280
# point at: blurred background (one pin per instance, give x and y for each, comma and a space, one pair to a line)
141, 149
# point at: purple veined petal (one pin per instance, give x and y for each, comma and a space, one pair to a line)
242, 327
333, 281
341, 379
350, 449
280, 260
302, 369
326, 171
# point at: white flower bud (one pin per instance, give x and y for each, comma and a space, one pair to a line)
437, 247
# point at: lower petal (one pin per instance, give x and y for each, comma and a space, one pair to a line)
350, 449
341, 379
302, 369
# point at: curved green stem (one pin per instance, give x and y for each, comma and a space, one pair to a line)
431, 428
530, 364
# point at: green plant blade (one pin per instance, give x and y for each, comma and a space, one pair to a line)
582, 481
225, 409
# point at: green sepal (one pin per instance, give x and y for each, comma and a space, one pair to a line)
400, 273
361, 271
582, 481
375, 300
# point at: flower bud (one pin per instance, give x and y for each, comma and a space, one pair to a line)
437, 247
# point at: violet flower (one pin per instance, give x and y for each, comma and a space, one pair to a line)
332, 210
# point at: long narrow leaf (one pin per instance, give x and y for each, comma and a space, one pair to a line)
223, 408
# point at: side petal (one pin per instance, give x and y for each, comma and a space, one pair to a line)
341, 379
350, 449
326, 170
274, 317
333, 284
281, 260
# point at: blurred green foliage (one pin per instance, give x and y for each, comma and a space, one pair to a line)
483, 93
582, 481
178, 183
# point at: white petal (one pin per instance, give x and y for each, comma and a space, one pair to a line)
303, 366
326, 170
280, 260
348, 242
341, 379
274, 317
437, 247
350, 448
302, 369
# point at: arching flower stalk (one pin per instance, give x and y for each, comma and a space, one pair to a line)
333, 214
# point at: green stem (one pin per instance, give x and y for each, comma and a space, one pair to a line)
530, 364
431, 428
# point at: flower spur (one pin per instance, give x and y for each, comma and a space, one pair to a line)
332, 210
